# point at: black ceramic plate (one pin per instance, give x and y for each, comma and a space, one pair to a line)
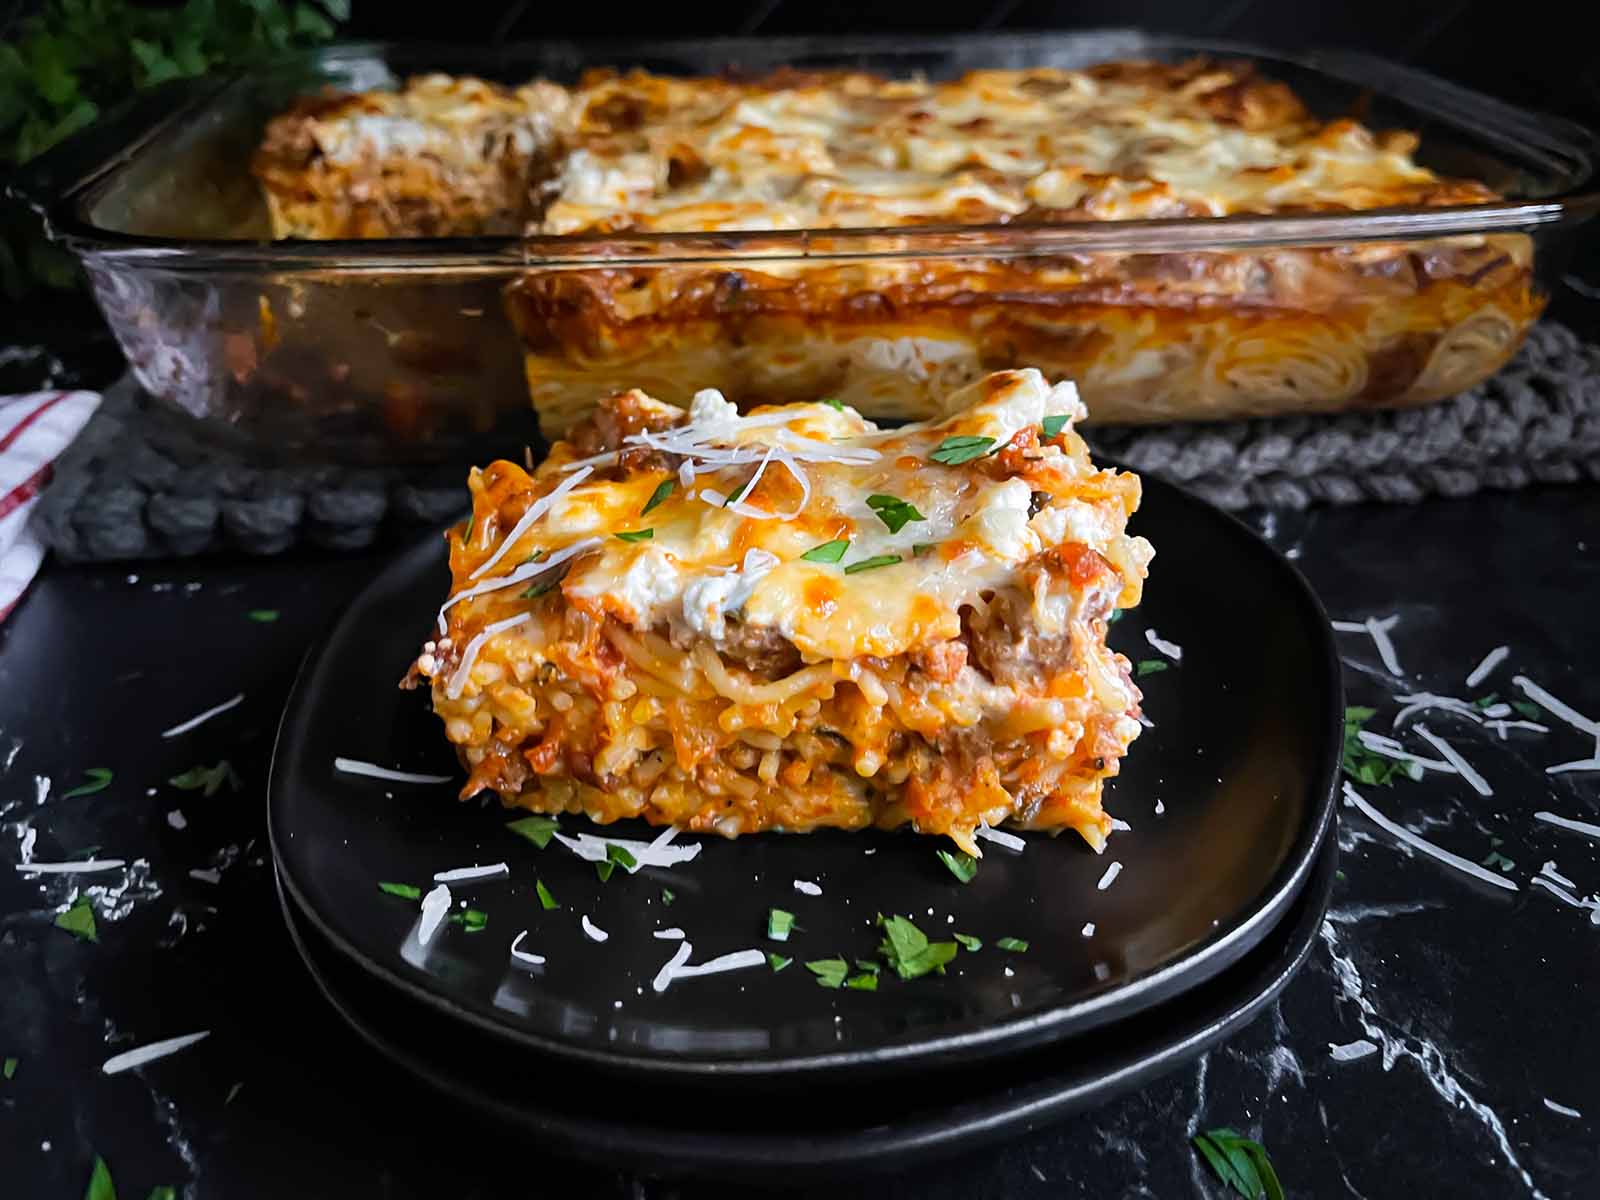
1240, 764
826, 1129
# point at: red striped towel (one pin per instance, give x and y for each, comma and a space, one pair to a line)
34, 430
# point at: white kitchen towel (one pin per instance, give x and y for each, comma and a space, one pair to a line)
34, 430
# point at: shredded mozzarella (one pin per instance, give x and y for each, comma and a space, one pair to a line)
1567, 823
177, 820
1171, 649
1462, 766
1555, 707
202, 718
1420, 843
535, 510
463, 874
679, 957
591, 930
523, 956
86, 866
658, 853
1490, 661
435, 907
355, 766
130, 1059
1109, 877
470, 655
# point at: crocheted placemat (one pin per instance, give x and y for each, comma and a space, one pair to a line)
139, 483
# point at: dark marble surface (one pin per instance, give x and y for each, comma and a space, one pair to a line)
1480, 1001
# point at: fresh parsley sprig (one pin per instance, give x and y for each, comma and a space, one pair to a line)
894, 512
1240, 1163
954, 451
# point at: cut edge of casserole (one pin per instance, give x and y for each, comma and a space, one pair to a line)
792, 619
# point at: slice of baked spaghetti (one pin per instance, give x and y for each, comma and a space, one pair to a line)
793, 619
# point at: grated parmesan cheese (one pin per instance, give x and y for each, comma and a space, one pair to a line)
86, 866
673, 934
202, 718
1462, 766
1490, 661
1555, 707
1351, 1051
535, 510
355, 766
130, 1059
1088, 929
679, 957
1109, 877
463, 874
1000, 838
591, 930
806, 887
522, 956
1577, 764
1420, 843
1561, 1108
1171, 649
1378, 631
435, 907
1567, 823
469, 656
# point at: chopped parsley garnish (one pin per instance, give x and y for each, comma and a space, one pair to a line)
862, 982
777, 961
616, 856
99, 780
828, 552
733, 496
1362, 764
1483, 702
668, 896
100, 1185
954, 451
9, 1069
466, 534
918, 549
603, 868
546, 900
1496, 860
474, 919
534, 591
79, 921
265, 616
232, 1093
837, 405
908, 950
1240, 1163
779, 923
872, 564
1054, 424
971, 943
893, 511
962, 865
867, 965
404, 890
1016, 945
207, 779
830, 972
635, 535
1527, 708
537, 829
1150, 666
1116, 615
663, 490
165, 1191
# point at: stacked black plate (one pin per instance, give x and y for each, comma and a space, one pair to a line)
1221, 887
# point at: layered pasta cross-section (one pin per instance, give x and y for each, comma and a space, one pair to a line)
792, 619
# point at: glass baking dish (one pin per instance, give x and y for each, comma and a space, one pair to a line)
401, 350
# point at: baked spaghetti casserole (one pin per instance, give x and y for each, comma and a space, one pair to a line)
793, 619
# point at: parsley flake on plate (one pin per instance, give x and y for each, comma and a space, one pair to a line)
1150, 666
827, 552
537, 829
1054, 424
100, 1185
475, 920
836, 405
1016, 945
972, 944
668, 896
99, 780
1483, 702
163, 1191
954, 451
908, 950
79, 921
9, 1069
264, 616
1527, 708
863, 982
779, 923
830, 972
872, 564
616, 856
546, 900
962, 865
777, 961
893, 511
207, 779
1499, 861
918, 549
1362, 764
663, 490
404, 890
634, 535
1240, 1163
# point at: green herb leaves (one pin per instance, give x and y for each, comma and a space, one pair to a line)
779, 924
635, 535
79, 921
908, 950
404, 890
1053, 425
100, 1185
9, 1068
865, 982
777, 961
1527, 709
1362, 764
1150, 666
534, 591
1240, 1163
668, 896
836, 405
830, 972
962, 865
207, 779
972, 944
954, 451
546, 900
663, 490
538, 829
1015, 945
828, 552
872, 564
263, 616
99, 779
616, 856
894, 512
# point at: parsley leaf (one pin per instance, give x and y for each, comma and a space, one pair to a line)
534, 591
537, 829
616, 856
1150, 666
404, 890
954, 451
893, 511
1498, 860
777, 961
872, 564
918, 549
265, 616
475, 920
663, 490
837, 405
1240, 1163
962, 865
100, 1185
99, 780
972, 944
1054, 424
830, 972
1529, 710
603, 868
908, 950
733, 496
1116, 615
668, 896
1362, 764
828, 552
635, 535
1483, 702
1016, 945
546, 900
862, 982
9, 1069
779, 923
164, 1191
79, 921
209, 779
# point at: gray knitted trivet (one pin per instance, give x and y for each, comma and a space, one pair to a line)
1537, 421
141, 483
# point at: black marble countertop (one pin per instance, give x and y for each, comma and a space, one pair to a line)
1480, 1002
